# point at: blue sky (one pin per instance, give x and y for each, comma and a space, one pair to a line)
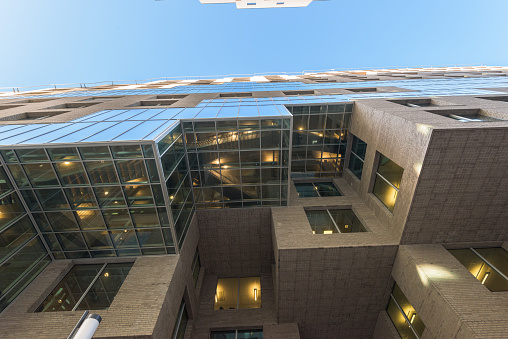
72, 41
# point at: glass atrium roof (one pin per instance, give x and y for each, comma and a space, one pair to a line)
125, 125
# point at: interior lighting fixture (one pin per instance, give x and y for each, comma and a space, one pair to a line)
328, 232
256, 294
485, 278
67, 162
106, 274
412, 318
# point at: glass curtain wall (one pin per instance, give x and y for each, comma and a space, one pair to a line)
94, 201
22, 254
239, 162
319, 139
174, 167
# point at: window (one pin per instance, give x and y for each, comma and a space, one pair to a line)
472, 118
318, 189
334, 221
387, 184
404, 316
87, 287
358, 150
196, 266
237, 334
488, 265
465, 115
181, 322
234, 293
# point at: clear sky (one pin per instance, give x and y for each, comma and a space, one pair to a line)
72, 41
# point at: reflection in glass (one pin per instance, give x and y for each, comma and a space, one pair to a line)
385, 192
10, 209
482, 270
226, 295
15, 236
403, 315
150, 237
123, 239
95, 153
81, 197
144, 217
9, 156
320, 222
101, 172
52, 199
62, 221
32, 155
90, 219
71, 241
61, 154
126, 151
97, 240
41, 175
250, 293
390, 171
110, 196
117, 218
18, 175
139, 195
132, 171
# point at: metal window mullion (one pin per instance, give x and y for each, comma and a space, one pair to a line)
405, 317
488, 263
289, 157
89, 287
122, 189
334, 223
356, 155
28, 212
386, 180
167, 202
178, 320
186, 156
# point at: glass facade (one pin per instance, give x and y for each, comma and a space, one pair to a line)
237, 334
357, 156
87, 287
319, 139
95, 201
488, 265
387, 183
238, 162
403, 315
331, 221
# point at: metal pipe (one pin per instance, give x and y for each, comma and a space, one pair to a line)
78, 324
89, 326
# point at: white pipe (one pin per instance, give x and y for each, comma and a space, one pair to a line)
89, 326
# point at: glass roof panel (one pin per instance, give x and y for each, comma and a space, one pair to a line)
60, 132
140, 131
83, 133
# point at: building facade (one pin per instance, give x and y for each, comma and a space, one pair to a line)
338, 204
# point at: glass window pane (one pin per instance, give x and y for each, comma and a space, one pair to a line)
15, 236
98, 240
226, 295
69, 153
10, 209
250, 292
103, 291
110, 196
144, 217
385, 192
497, 256
223, 335
5, 184
250, 334
124, 239
52, 199
9, 156
62, 221
320, 222
150, 237
408, 310
117, 218
65, 295
327, 189
81, 197
19, 176
71, 173
132, 171
250, 140
32, 155
95, 153
148, 151
390, 171
152, 170
158, 195
41, 174
399, 321
90, 219
30, 200
126, 151
356, 166
71, 241
347, 221
101, 172
139, 195
306, 190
